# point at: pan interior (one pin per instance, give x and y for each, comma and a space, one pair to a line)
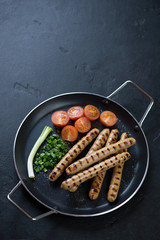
78, 203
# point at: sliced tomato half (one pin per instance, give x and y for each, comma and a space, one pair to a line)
75, 112
69, 133
108, 118
91, 112
60, 118
83, 124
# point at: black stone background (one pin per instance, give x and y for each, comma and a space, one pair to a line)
48, 47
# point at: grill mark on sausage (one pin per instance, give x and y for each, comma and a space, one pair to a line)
103, 138
75, 166
102, 152
79, 146
95, 190
71, 154
92, 134
87, 138
80, 162
72, 179
87, 161
114, 147
112, 195
69, 168
75, 151
53, 174
115, 190
116, 184
99, 178
66, 159
101, 144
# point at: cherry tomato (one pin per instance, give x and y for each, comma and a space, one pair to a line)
60, 118
108, 118
83, 124
75, 112
91, 112
69, 133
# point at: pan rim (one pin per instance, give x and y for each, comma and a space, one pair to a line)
72, 214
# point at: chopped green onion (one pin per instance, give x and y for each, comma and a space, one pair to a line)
50, 153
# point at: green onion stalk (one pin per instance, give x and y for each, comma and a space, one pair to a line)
37, 144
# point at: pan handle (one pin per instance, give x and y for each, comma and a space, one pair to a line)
22, 210
142, 91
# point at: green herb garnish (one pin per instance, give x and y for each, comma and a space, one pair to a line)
50, 154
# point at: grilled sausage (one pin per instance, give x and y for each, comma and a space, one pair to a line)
93, 171
98, 143
72, 154
112, 137
98, 180
124, 136
99, 155
116, 177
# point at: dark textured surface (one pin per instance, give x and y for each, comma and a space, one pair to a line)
52, 47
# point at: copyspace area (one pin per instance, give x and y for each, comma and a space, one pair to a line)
49, 48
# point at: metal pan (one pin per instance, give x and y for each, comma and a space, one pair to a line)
78, 204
